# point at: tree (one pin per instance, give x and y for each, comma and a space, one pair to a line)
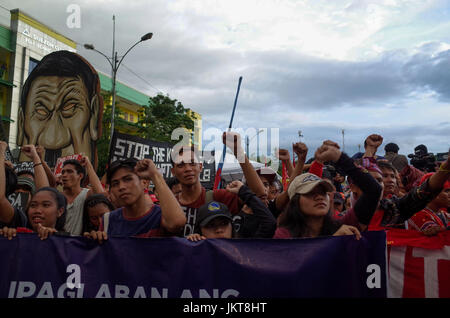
162, 117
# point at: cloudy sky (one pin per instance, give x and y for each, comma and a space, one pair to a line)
318, 66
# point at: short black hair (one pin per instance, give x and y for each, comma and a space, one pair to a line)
78, 167
386, 165
61, 202
180, 152
90, 202
391, 147
129, 164
172, 181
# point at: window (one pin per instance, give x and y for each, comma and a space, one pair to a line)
131, 117
32, 65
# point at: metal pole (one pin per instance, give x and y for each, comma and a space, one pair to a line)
257, 146
114, 73
247, 140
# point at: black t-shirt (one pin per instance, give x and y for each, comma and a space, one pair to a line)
19, 220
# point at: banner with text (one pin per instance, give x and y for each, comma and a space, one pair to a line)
77, 267
419, 266
126, 146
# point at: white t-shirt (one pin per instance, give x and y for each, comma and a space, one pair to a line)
74, 214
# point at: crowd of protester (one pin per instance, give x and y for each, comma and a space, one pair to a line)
332, 194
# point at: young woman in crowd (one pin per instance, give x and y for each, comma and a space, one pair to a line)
45, 213
309, 213
94, 207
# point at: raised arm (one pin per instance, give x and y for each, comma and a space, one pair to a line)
284, 156
50, 176
6, 209
40, 177
266, 222
233, 141
301, 150
173, 218
93, 178
372, 143
417, 198
367, 204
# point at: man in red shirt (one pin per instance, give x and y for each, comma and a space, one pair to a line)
186, 167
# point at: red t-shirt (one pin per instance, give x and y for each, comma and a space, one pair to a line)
231, 200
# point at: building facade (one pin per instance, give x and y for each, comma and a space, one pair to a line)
22, 45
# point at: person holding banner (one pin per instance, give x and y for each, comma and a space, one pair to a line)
214, 222
45, 214
138, 216
9, 215
186, 167
95, 206
309, 212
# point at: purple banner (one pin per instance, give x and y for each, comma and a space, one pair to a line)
75, 267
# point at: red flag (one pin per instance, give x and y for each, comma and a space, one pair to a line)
284, 176
419, 266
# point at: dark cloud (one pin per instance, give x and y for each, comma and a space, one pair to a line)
430, 72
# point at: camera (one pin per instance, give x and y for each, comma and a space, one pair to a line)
423, 160
329, 172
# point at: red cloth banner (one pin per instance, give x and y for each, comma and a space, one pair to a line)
419, 266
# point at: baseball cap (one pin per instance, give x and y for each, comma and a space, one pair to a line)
212, 210
26, 182
306, 182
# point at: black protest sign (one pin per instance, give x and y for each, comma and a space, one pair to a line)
19, 200
24, 167
126, 146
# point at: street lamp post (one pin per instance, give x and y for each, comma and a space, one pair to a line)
248, 141
115, 64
